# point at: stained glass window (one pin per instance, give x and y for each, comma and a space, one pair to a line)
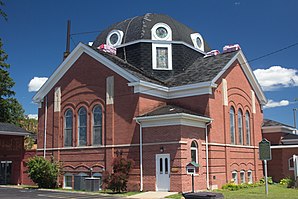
161, 57
97, 125
82, 127
68, 128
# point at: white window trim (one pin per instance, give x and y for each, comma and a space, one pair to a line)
242, 178
64, 180
154, 53
195, 149
249, 177
161, 25
240, 126
289, 164
235, 179
119, 33
194, 37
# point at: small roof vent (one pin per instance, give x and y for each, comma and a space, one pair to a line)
212, 53
231, 48
108, 49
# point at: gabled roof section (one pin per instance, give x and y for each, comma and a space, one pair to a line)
170, 109
124, 71
11, 129
239, 56
271, 126
170, 115
267, 122
202, 70
197, 79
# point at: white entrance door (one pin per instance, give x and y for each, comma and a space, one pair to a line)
162, 172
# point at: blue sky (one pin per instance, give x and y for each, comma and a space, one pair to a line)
35, 34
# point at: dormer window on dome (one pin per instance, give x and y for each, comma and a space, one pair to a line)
197, 41
161, 51
161, 31
114, 38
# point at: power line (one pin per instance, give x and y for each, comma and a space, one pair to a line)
274, 52
89, 32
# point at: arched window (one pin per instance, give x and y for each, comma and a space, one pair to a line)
242, 176
194, 151
82, 128
232, 125
249, 177
240, 127
247, 125
235, 177
97, 126
68, 124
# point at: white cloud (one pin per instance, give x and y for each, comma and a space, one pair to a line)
276, 77
33, 116
36, 83
273, 104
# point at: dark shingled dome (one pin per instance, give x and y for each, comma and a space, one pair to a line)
139, 27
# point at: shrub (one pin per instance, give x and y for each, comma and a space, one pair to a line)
43, 172
117, 181
234, 187
270, 181
288, 182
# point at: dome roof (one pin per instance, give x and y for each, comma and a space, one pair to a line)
139, 27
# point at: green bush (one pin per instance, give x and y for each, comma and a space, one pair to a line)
288, 182
43, 172
270, 181
234, 187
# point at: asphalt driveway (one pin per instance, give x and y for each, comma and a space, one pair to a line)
17, 193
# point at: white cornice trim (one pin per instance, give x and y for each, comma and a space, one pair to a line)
278, 129
13, 133
173, 119
114, 146
231, 145
284, 146
173, 92
70, 60
248, 73
161, 42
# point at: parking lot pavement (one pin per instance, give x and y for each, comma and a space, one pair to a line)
16, 193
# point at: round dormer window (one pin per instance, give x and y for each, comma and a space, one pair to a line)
199, 42
161, 32
114, 38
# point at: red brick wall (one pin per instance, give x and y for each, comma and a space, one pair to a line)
25, 178
231, 157
84, 85
12, 149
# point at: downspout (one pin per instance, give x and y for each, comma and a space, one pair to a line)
141, 155
45, 127
207, 155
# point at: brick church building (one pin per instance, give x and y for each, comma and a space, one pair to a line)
160, 99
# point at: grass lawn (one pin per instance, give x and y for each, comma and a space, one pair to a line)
275, 192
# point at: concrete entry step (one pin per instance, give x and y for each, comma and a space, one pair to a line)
151, 195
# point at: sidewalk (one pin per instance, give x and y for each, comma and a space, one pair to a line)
151, 195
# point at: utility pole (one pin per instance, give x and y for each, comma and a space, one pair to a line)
66, 53
294, 113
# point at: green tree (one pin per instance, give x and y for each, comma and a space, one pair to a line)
43, 172
11, 110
